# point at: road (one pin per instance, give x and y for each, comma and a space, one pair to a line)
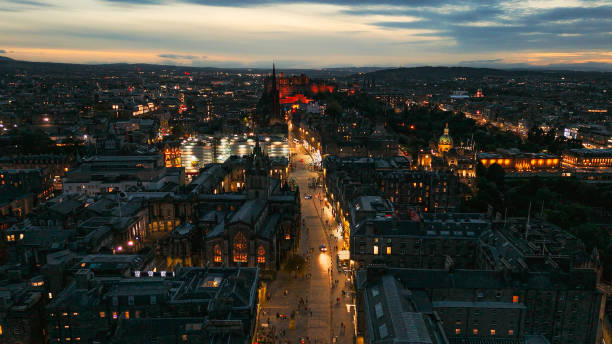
325, 314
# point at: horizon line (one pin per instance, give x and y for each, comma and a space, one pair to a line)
496, 66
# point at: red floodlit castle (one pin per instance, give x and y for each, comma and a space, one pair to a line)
294, 89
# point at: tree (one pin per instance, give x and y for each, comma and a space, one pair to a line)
496, 174
333, 109
295, 263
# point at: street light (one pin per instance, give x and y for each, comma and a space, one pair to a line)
116, 108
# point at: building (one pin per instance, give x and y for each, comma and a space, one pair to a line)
103, 174
190, 304
515, 161
240, 213
499, 282
445, 143
21, 190
482, 306
390, 314
587, 159
435, 242
22, 313
409, 191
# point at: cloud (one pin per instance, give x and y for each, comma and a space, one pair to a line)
135, 2
480, 61
2, 51
30, 3
22, 5
181, 57
494, 26
338, 32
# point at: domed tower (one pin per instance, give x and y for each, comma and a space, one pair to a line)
445, 143
257, 181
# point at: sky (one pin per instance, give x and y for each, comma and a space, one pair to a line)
310, 33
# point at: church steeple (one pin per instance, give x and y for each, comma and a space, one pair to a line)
257, 183
275, 116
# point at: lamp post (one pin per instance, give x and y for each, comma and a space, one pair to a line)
116, 108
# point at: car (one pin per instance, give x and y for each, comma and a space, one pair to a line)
323, 248
307, 196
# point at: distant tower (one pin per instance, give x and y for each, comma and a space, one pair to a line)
446, 142
275, 117
257, 174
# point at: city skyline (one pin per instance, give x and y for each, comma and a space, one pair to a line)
311, 33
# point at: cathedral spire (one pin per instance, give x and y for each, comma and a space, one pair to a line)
275, 116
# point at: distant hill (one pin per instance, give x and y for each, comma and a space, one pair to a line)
7, 63
400, 75
373, 72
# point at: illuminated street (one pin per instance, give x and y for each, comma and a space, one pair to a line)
328, 315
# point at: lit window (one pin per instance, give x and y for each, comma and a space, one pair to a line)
114, 315
102, 315
515, 299
126, 314
492, 332
261, 254
511, 332
388, 249
475, 331
240, 248
375, 249
217, 254
184, 337
457, 331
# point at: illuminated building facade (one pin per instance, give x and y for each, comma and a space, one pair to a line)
521, 162
200, 151
281, 93
588, 158
172, 155
445, 143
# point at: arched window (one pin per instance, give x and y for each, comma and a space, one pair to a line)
261, 254
240, 248
218, 254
